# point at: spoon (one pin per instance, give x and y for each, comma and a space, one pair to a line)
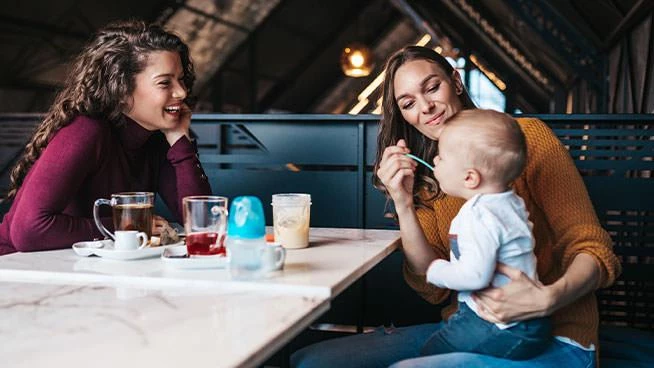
419, 160
87, 248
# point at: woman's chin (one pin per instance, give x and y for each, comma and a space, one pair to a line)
435, 132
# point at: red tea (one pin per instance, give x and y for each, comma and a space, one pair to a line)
204, 244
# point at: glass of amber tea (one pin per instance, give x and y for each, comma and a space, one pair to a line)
129, 211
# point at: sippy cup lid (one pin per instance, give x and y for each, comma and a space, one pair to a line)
246, 218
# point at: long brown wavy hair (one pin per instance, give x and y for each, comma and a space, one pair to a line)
101, 82
393, 127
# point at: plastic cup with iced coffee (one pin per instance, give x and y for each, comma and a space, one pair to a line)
291, 215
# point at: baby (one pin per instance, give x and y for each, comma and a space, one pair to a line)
480, 153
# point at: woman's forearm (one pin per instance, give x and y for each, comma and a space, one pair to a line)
417, 251
581, 278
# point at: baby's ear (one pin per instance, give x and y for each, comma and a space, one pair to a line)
472, 179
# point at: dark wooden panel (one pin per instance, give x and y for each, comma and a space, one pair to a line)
377, 210
332, 193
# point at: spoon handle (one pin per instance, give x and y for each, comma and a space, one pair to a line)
419, 160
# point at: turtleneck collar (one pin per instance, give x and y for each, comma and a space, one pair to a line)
132, 134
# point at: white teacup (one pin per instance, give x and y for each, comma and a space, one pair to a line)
130, 240
273, 257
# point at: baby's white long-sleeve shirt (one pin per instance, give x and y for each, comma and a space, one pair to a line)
489, 228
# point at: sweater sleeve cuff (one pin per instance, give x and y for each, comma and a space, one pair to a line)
182, 150
603, 274
603, 279
415, 280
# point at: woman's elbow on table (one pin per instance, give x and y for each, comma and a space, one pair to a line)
25, 242
26, 236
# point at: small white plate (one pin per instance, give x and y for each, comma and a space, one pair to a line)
105, 249
176, 257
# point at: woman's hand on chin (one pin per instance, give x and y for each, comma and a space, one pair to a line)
182, 129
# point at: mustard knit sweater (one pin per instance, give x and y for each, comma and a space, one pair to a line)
565, 225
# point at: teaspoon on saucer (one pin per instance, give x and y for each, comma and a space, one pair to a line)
86, 248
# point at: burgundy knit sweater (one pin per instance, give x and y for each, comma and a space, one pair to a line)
89, 159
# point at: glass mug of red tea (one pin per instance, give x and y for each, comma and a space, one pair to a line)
129, 211
205, 224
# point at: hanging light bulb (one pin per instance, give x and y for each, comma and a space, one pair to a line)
356, 60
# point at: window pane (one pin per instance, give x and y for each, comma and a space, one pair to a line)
484, 92
458, 64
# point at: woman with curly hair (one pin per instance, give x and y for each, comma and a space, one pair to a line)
121, 123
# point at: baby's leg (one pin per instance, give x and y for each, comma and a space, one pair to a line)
463, 332
467, 332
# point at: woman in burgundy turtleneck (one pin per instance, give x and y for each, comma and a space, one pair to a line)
120, 124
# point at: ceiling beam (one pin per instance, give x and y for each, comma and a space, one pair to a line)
211, 37
562, 37
635, 15
215, 18
345, 94
24, 85
308, 35
228, 68
292, 74
43, 29
497, 44
437, 37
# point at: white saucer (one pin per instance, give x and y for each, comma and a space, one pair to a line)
176, 257
105, 249
87, 248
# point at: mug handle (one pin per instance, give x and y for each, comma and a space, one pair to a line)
281, 251
221, 229
222, 226
144, 239
96, 217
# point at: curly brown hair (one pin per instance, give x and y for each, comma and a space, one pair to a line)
101, 81
393, 127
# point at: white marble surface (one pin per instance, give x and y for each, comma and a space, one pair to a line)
334, 260
53, 325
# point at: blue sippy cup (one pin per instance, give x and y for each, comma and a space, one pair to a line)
245, 242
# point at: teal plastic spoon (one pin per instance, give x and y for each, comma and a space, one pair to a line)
419, 160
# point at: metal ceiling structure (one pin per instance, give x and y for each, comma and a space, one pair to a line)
282, 55
214, 29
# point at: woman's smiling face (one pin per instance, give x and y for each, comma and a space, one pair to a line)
426, 96
157, 100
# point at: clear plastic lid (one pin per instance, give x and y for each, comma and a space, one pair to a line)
291, 199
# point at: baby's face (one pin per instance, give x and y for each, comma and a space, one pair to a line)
449, 164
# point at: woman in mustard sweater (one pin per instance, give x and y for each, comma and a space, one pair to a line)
421, 91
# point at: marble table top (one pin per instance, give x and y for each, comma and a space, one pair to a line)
78, 325
335, 259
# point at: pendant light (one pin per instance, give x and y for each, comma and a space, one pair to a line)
356, 60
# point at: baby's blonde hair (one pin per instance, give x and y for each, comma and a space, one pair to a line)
493, 142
